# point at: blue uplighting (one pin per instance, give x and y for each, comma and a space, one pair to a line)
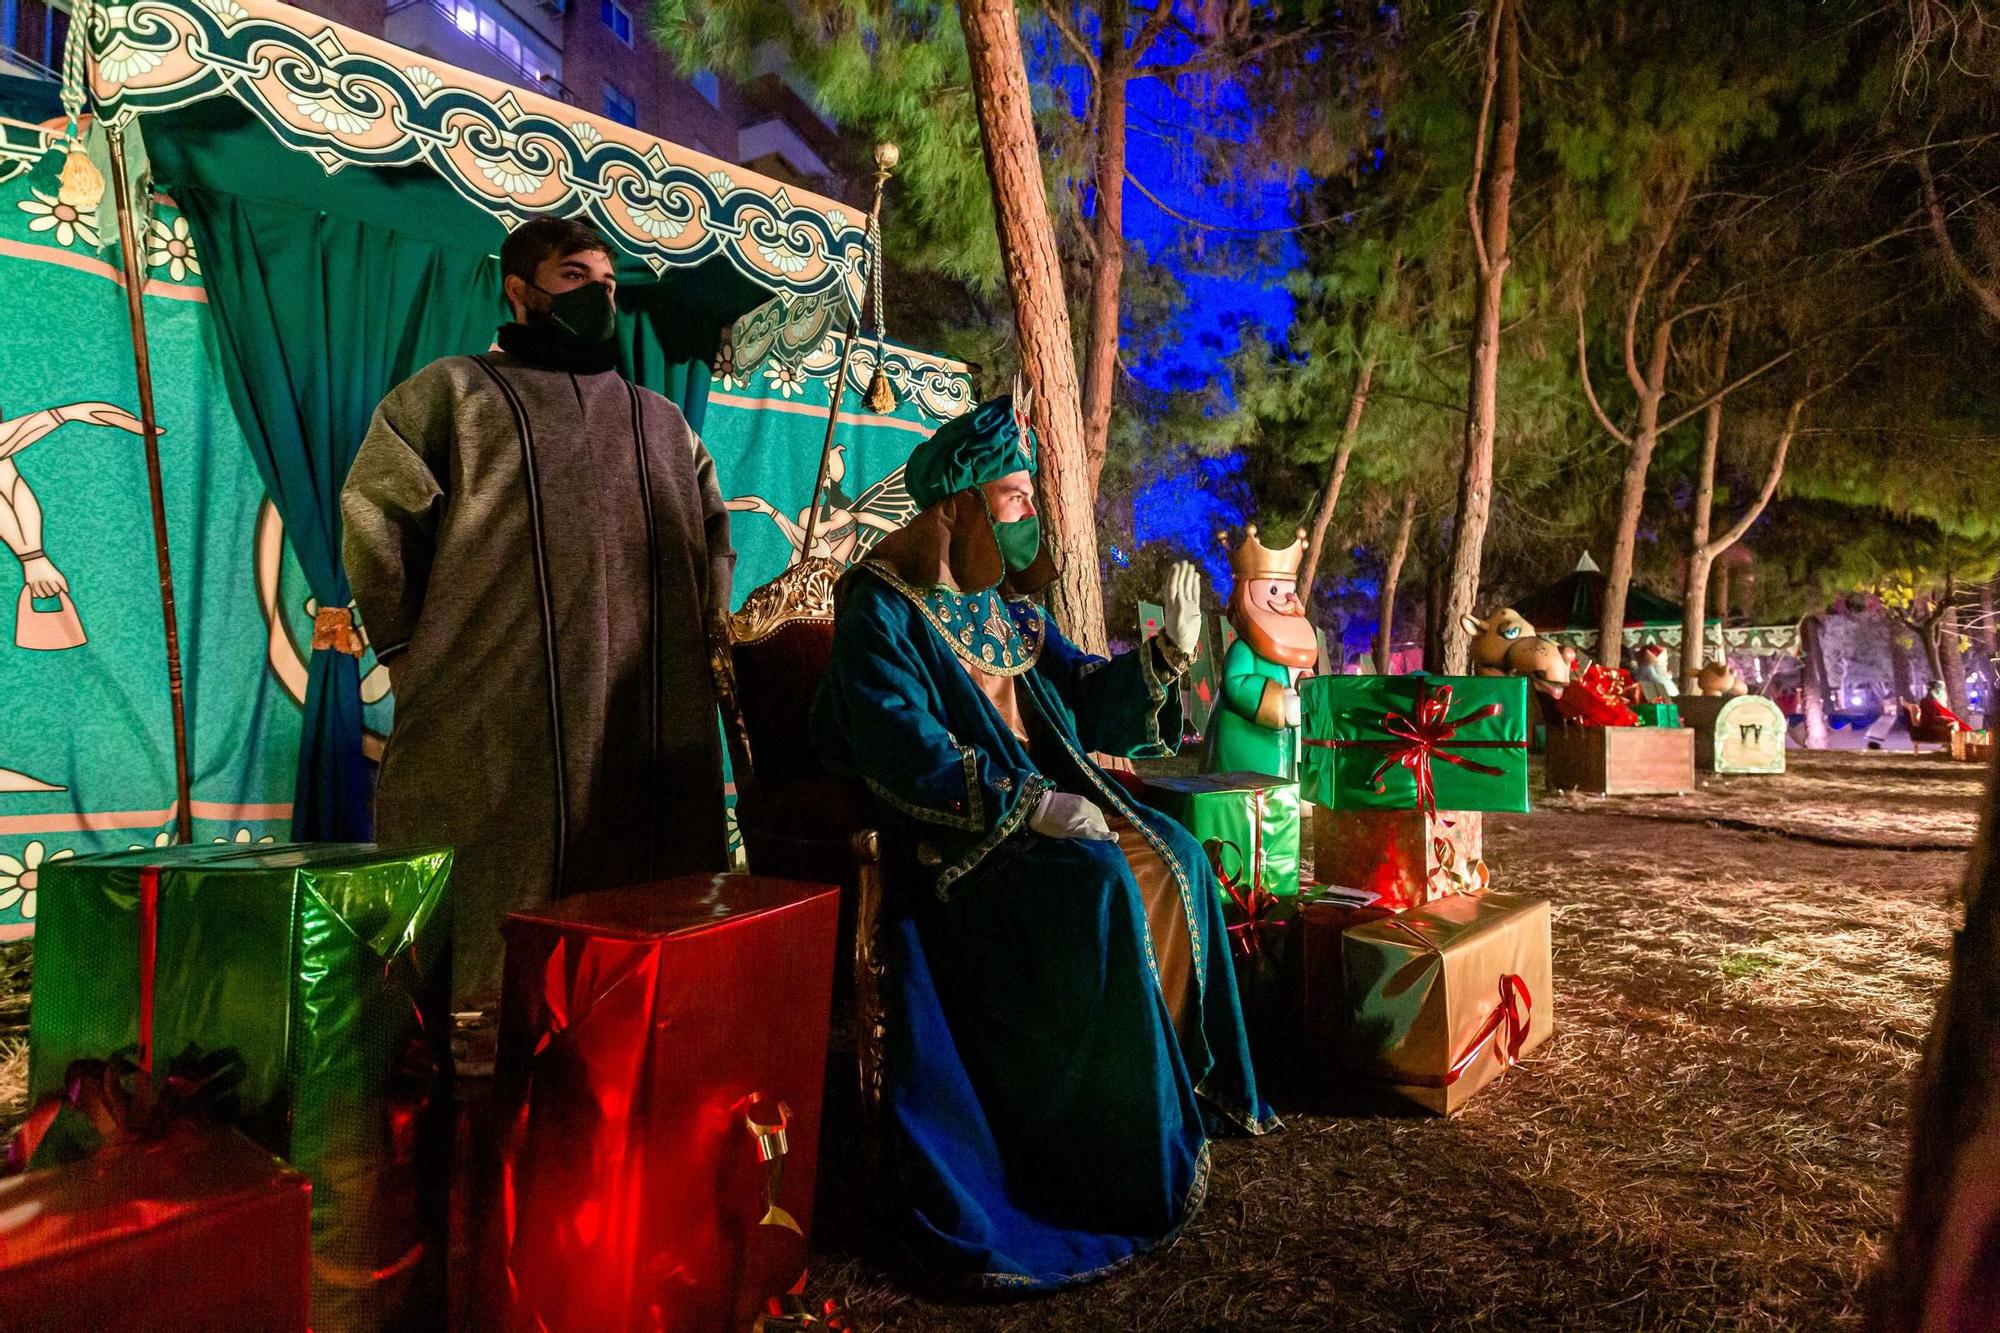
1187, 504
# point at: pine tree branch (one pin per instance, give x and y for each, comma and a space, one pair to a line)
1727, 389
1735, 532
1218, 57
1590, 393
1667, 225
1065, 26
1157, 24
1179, 216
1491, 80
1987, 294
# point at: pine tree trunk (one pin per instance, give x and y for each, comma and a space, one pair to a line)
1694, 583
1899, 664
1385, 620
1357, 403
1435, 575
1951, 662
1632, 502
1989, 635
1475, 485
1938, 1273
1933, 662
1041, 312
1107, 270
1812, 681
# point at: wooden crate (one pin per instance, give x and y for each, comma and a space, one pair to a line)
1973, 747
1621, 761
1742, 733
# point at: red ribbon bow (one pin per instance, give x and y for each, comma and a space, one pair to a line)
1596, 696
1516, 1004
1246, 894
1420, 737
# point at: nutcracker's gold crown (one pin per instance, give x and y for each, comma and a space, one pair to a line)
1251, 559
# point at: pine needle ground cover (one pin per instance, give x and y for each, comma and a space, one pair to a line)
1714, 1138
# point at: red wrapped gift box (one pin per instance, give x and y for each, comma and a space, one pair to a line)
198, 1230
1322, 980
662, 1055
1406, 857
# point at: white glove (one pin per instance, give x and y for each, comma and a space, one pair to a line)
1180, 608
1061, 815
1291, 706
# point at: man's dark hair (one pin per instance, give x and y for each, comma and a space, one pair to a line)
538, 239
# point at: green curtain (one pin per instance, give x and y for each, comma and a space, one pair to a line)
667, 349
318, 317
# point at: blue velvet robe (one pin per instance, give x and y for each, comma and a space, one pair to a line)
1045, 1123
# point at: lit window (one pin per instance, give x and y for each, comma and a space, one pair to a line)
619, 106
618, 19
705, 83
466, 19
489, 31
510, 46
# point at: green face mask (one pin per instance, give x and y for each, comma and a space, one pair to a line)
1020, 542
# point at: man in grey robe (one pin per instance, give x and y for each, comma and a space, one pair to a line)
536, 545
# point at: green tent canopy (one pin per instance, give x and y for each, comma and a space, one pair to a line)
317, 215
1568, 611
1576, 602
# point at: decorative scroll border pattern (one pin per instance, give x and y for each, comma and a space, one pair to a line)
1756, 640
804, 334
349, 99
21, 147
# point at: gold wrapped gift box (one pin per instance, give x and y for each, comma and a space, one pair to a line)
1444, 998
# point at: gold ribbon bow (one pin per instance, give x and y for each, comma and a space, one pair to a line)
772, 1146
333, 627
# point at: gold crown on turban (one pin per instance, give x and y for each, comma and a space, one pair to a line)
1251, 559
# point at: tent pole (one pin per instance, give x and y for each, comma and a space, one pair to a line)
885, 162
132, 262
826, 445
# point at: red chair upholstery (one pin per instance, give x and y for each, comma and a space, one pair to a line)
798, 821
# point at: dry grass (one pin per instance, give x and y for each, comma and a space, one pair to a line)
1713, 1139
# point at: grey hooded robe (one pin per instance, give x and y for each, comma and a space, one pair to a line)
533, 553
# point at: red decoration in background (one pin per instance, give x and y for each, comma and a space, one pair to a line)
1596, 697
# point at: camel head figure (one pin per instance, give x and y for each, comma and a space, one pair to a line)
1505, 644
1719, 678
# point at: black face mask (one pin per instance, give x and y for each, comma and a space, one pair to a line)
582, 316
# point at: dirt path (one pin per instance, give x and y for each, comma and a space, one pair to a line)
1713, 1139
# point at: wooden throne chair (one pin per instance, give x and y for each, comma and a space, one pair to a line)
796, 820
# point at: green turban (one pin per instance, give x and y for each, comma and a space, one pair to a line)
984, 445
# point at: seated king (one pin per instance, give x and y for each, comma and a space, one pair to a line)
1064, 1030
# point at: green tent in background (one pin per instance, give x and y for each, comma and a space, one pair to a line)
318, 214
1575, 602
1568, 611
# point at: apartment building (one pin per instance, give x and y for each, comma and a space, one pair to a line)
594, 54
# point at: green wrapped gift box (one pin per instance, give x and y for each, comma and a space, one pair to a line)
327, 970
1248, 823
1388, 742
1658, 715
